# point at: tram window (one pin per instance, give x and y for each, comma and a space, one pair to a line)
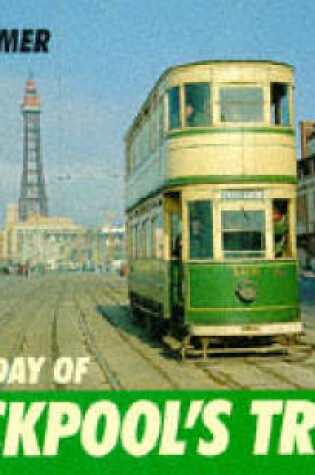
153, 237
137, 150
145, 139
197, 104
129, 243
200, 230
153, 134
148, 239
159, 234
134, 241
141, 145
173, 107
129, 159
139, 247
144, 239
176, 235
241, 104
279, 104
243, 233
280, 228
161, 118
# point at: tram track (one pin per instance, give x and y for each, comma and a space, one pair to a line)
90, 316
278, 375
300, 357
89, 343
115, 295
55, 351
93, 349
15, 307
223, 378
218, 376
262, 366
53, 304
127, 341
21, 339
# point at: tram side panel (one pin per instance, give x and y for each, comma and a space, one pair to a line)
148, 283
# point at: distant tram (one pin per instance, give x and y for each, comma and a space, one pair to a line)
210, 192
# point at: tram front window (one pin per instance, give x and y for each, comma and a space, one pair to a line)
279, 104
197, 104
173, 108
243, 234
241, 104
200, 230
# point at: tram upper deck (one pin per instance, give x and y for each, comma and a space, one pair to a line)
213, 122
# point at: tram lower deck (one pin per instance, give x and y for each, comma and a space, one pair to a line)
226, 267
246, 299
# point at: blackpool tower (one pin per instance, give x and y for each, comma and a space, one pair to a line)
33, 195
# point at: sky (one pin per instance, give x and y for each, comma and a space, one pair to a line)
104, 58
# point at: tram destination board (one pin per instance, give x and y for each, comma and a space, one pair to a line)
155, 313
242, 194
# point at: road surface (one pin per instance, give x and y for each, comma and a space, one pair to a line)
75, 316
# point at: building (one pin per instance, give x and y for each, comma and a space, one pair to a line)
306, 197
307, 129
56, 243
33, 194
53, 242
111, 247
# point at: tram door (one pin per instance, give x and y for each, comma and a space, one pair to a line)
176, 265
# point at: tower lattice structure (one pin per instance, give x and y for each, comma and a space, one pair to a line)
33, 194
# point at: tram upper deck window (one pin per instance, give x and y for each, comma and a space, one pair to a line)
153, 129
135, 241
173, 108
145, 139
243, 234
200, 230
137, 150
241, 104
279, 104
161, 118
197, 104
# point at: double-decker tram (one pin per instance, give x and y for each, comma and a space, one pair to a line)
210, 192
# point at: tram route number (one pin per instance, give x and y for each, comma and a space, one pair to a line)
246, 271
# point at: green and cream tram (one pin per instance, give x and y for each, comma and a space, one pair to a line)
210, 192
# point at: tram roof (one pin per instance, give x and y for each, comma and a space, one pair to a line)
229, 61
201, 63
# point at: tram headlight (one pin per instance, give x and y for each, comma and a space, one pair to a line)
246, 291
